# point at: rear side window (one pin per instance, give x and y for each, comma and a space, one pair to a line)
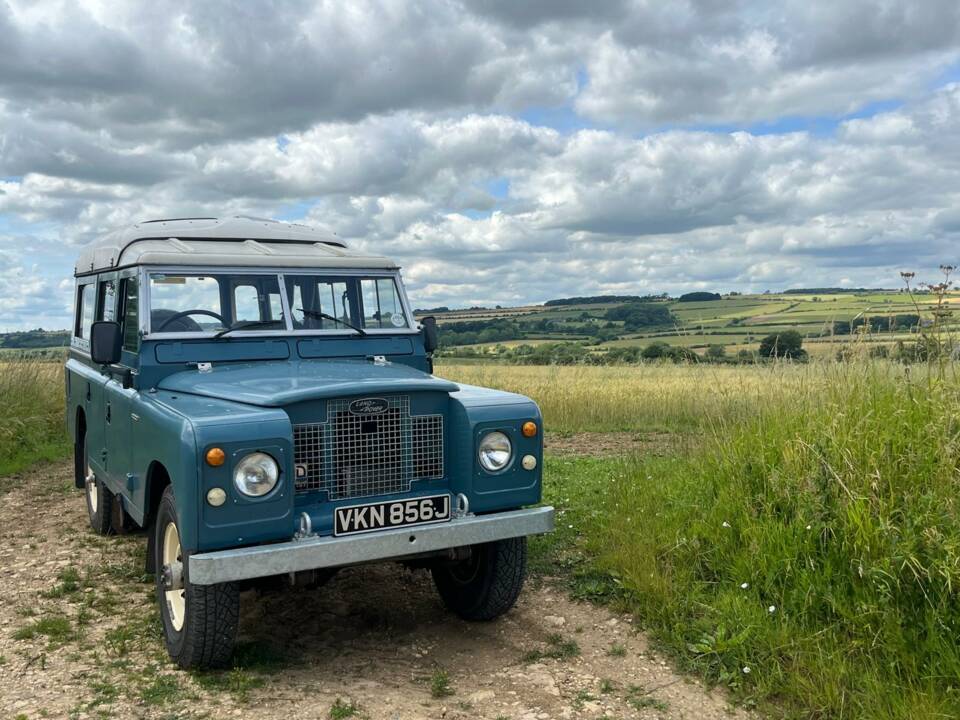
131, 315
107, 301
85, 308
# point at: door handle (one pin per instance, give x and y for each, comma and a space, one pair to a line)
108, 412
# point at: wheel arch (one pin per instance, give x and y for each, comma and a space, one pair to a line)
157, 480
79, 436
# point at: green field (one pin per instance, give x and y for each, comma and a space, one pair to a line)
735, 321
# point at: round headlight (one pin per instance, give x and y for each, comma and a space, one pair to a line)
495, 451
256, 474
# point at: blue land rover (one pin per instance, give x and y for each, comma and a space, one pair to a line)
260, 399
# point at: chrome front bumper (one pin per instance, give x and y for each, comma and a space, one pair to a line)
322, 552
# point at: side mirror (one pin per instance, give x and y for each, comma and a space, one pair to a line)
106, 341
430, 335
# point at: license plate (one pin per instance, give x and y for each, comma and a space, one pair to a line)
391, 514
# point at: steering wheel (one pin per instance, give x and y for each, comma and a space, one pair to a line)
185, 313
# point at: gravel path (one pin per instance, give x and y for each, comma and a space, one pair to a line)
79, 639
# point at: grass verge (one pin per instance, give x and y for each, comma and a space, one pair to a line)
31, 425
806, 556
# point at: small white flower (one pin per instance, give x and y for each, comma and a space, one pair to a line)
570, 526
726, 524
772, 609
744, 586
746, 669
808, 527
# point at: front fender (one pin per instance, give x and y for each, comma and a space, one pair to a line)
164, 435
185, 428
475, 411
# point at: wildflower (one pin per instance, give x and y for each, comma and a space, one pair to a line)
772, 609
726, 524
808, 527
746, 669
744, 586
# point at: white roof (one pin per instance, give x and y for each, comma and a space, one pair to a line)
233, 242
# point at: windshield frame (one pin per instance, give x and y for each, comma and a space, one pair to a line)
145, 271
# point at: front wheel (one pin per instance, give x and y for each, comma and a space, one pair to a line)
488, 583
199, 621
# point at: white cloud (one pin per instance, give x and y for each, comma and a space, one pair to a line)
398, 126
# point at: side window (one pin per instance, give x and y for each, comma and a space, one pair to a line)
85, 308
257, 301
246, 303
107, 300
381, 304
131, 315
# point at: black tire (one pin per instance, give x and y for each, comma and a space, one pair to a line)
211, 613
488, 583
99, 499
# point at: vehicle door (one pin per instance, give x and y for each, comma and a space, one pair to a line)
89, 381
120, 419
101, 416
102, 296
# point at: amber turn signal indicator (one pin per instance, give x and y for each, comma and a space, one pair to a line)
529, 429
216, 457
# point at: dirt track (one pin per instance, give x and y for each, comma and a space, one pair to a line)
376, 638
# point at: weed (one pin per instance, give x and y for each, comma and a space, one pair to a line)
645, 701
582, 697
119, 640
104, 693
558, 648
69, 584
617, 650
440, 684
56, 628
607, 686
164, 689
341, 710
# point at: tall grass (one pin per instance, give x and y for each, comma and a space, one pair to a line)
642, 397
31, 414
808, 553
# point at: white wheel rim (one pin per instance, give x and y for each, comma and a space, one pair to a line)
92, 493
176, 598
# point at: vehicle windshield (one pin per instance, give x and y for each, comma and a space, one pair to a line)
219, 302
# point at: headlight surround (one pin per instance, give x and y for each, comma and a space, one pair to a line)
256, 474
495, 451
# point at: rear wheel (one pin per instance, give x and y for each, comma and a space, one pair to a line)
99, 499
199, 621
488, 583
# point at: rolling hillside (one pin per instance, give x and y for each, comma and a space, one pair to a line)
735, 322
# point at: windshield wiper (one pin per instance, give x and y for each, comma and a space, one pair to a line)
325, 316
247, 326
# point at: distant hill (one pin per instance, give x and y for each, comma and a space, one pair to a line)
599, 299
606, 325
834, 291
31, 339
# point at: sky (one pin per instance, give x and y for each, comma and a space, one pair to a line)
502, 152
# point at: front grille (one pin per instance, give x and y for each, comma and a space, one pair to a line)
355, 455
